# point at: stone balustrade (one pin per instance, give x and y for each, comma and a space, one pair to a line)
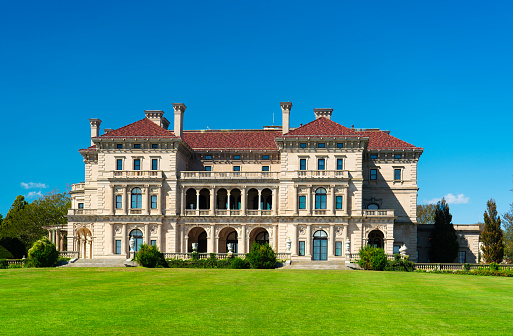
73, 212
186, 256
378, 213
78, 187
208, 175
322, 174
137, 174
225, 212
454, 266
69, 254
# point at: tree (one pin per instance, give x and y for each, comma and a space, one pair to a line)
444, 242
492, 236
426, 213
14, 213
507, 221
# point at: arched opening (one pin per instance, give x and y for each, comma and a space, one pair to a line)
320, 246
373, 206
253, 199
190, 199
84, 243
376, 239
267, 199
204, 199
138, 238
197, 235
222, 199
228, 236
320, 198
136, 198
235, 198
259, 235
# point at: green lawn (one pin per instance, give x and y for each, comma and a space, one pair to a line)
251, 302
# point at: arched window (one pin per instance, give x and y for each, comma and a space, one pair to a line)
136, 198
138, 238
262, 238
376, 239
373, 206
320, 234
320, 198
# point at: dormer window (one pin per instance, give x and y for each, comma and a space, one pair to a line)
374, 156
154, 146
236, 168
302, 145
398, 156
137, 146
265, 157
321, 145
236, 157
119, 146
265, 168
208, 157
340, 145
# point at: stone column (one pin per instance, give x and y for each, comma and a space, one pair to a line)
159, 238
259, 202
197, 202
112, 195
332, 207
296, 195
243, 201
160, 202
182, 201
185, 241
241, 240
124, 238
228, 192
212, 240
331, 244
212, 200
145, 207
309, 201
294, 239
308, 244
275, 238
146, 234
109, 237
345, 202
125, 200
275, 203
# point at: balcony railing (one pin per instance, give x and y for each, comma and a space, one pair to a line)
137, 174
195, 175
225, 212
322, 174
186, 256
378, 213
73, 212
78, 186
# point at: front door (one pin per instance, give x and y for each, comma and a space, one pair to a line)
320, 249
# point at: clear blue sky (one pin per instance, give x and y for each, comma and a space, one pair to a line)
437, 74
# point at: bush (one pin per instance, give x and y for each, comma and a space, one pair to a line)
400, 264
239, 263
494, 267
372, 258
15, 246
150, 256
465, 267
43, 254
261, 256
5, 254
3, 263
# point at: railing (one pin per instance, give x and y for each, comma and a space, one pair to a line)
266, 212
319, 212
137, 174
186, 256
78, 186
454, 266
82, 212
378, 213
69, 254
135, 211
195, 175
356, 256
226, 212
322, 174
252, 212
20, 262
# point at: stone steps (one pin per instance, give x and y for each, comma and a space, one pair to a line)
98, 263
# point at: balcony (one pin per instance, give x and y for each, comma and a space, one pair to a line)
78, 187
202, 175
322, 174
378, 213
224, 212
135, 174
73, 212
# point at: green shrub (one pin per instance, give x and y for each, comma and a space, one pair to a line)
150, 256
3, 263
239, 263
261, 256
175, 263
465, 267
5, 254
195, 255
372, 258
43, 254
15, 246
494, 267
400, 264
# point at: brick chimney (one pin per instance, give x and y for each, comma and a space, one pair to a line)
157, 116
323, 112
179, 111
95, 128
285, 113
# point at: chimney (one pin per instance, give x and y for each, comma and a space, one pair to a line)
323, 112
157, 116
179, 111
95, 128
285, 112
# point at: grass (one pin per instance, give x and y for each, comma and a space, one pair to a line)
120, 301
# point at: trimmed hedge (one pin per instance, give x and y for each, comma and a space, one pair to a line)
150, 256
42, 254
210, 262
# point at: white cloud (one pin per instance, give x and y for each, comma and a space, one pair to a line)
451, 199
33, 185
34, 194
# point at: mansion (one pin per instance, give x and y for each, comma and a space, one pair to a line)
319, 192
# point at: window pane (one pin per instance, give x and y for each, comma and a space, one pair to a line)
302, 145
137, 164
340, 164
265, 157
154, 201
153, 243
137, 146
119, 164
321, 145
338, 248
118, 246
119, 146
321, 164
398, 156
339, 202
119, 200
236, 157
340, 145
265, 168
302, 164
320, 201
80, 205
302, 202
397, 174
154, 145
374, 156
208, 157
154, 164
301, 248
236, 168
208, 168
373, 174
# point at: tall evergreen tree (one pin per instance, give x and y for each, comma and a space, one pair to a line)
507, 221
13, 214
444, 241
426, 213
492, 236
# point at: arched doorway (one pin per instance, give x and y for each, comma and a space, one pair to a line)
376, 239
190, 199
267, 199
252, 199
204, 199
138, 239
320, 245
228, 236
197, 235
84, 243
259, 235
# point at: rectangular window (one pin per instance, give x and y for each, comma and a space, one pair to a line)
338, 248
118, 246
119, 164
373, 174
374, 156
396, 248
137, 164
137, 146
321, 145
80, 205
462, 256
119, 201
154, 164
340, 145
208, 168
302, 202
265, 168
338, 202
397, 174
154, 146
154, 201
302, 164
301, 248
236, 168
119, 146
236, 157
340, 164
265, 157
208, 157
302, 145
321, 164
398, 156
153, 242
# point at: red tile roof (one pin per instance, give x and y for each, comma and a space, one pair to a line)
381, 140
88, 149
231, 140
142, 128
322, 127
